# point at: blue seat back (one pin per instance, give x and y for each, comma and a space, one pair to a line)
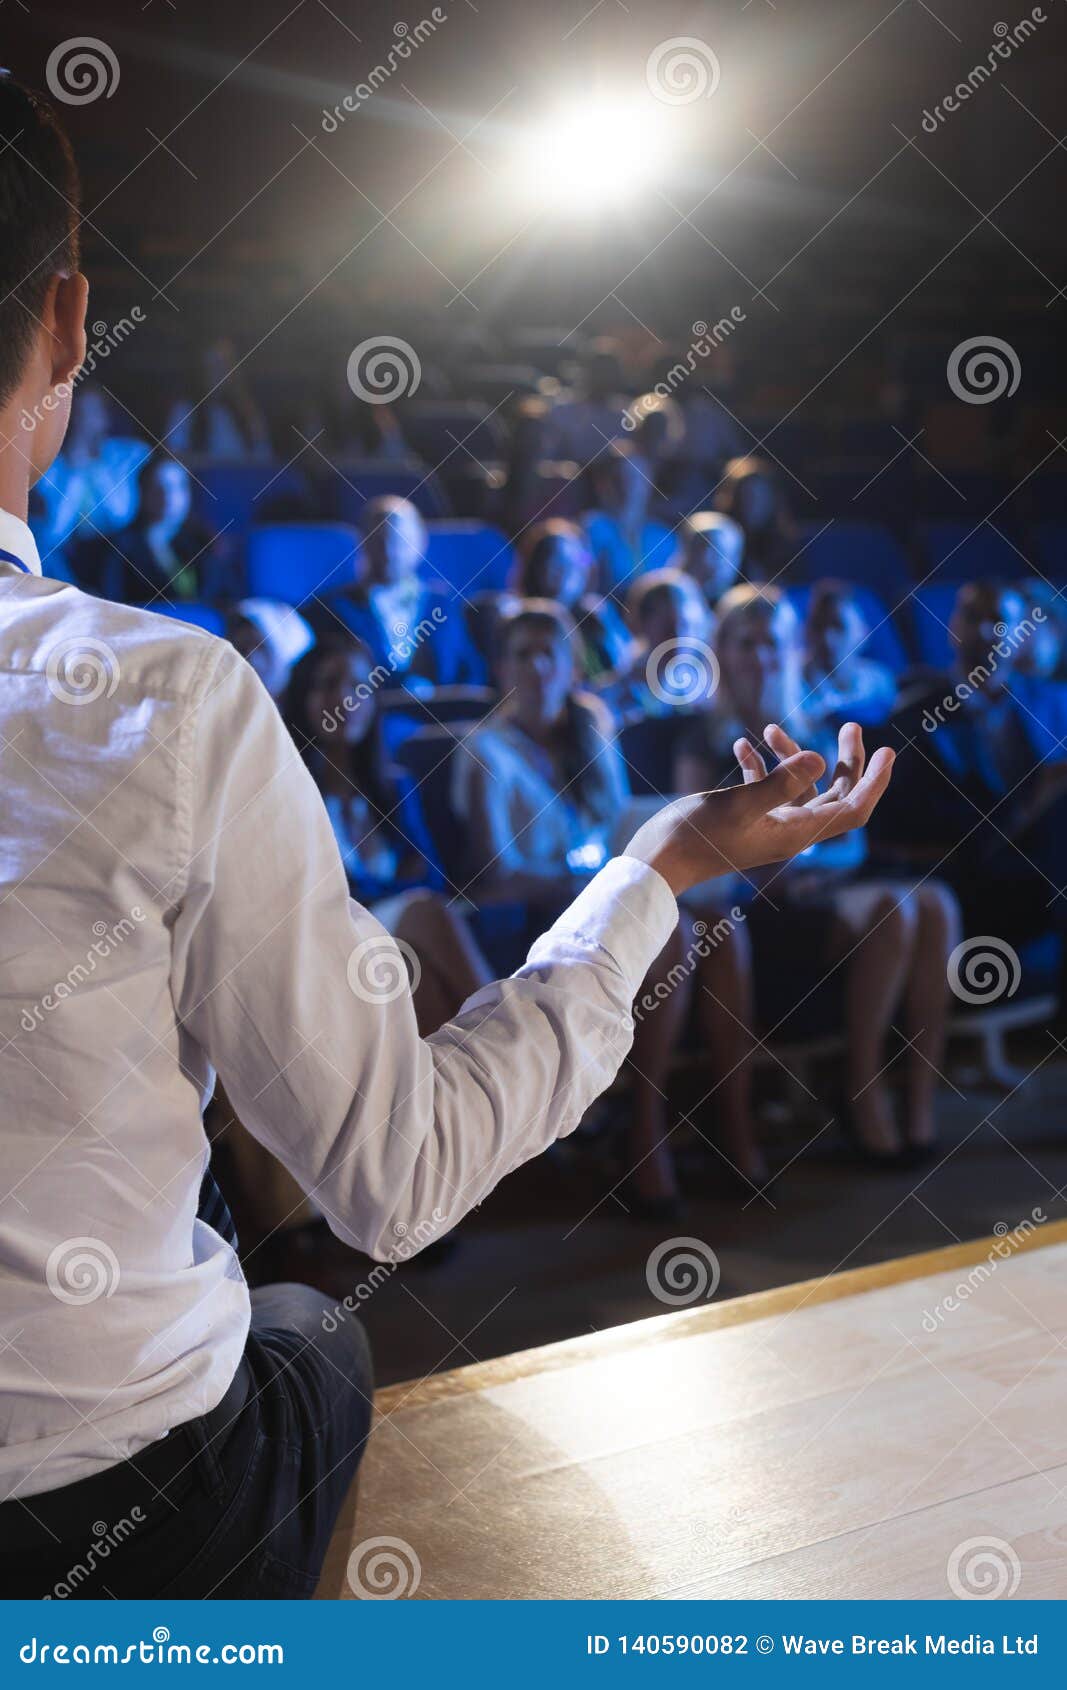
296, 561
863, 552
200, 615
968, 551
931, 611
469, 556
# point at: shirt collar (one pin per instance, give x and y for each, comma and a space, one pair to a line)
18, 544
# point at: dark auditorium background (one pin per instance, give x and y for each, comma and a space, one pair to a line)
806, 228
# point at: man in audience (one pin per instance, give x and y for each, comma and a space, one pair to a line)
624, 539
987, 780
166, 554
840, 682
153, 796
713, 550
413, 626
670, 665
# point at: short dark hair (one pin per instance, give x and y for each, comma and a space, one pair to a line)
39, 197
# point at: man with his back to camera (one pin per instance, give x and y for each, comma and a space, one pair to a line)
165, 857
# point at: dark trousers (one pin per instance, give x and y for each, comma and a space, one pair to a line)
240, 1503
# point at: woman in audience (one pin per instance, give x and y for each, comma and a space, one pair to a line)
713, 550
670, 665
542, 790
331, 707
555, 562
624, 539
751, 493
841, 685
892, 938
272, 636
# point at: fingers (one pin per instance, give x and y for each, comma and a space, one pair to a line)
855, 809
784, 745
781, 743
793, 776
752, 765
848, 771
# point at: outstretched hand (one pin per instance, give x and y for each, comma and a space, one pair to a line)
768, 819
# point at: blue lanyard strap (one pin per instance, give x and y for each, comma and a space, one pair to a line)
9, 557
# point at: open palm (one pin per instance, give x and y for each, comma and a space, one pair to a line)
768, 819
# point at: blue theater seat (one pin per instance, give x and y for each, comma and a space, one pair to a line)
200, 615
345, 493
863, 552
968, 551
228, 494
404, 712
469, 556
1050, 549
649, 747
931, 610
296, 561
452, 429
426, 758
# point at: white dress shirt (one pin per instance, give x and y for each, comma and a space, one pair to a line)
172, 902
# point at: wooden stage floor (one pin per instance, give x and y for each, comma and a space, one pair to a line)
856, 1436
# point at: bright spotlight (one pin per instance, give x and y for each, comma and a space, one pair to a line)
584, 158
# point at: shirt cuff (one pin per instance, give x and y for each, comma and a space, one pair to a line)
627, 910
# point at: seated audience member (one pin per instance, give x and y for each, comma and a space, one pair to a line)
892, 939
331, 707
223, 419
535, 485
166, 552
841, 685
670, 665
555, 562
987, 776
91, 489
1041, 654
655, 427
624, 539
271, 636
584, 421
751, 493
411, 624
713, 550
542, 790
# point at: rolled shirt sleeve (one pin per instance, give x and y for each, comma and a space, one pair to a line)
299, 998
